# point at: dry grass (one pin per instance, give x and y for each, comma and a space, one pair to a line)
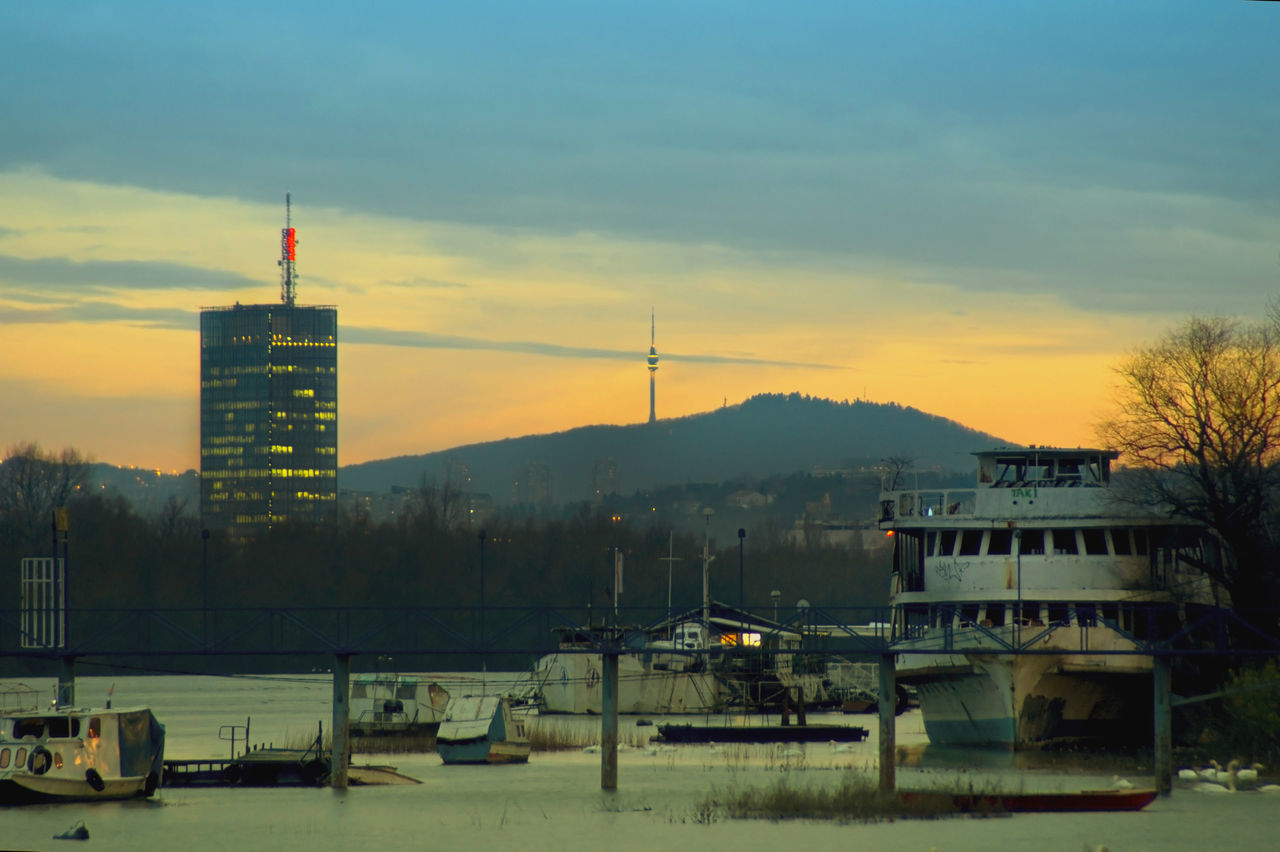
855, 800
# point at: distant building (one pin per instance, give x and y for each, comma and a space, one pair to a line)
604, 479
532, 488
268, 416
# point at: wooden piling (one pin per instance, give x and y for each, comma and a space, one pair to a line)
609, 722
887, 703
1161, 684
340, 756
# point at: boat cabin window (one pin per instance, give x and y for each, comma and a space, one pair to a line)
1140, 542
1111, 613
28, 728
4, 758
968, 614
1059, 614
1064, 542
359, 690
971, 543
960, 503
1032, 543
1095, 542
930, 542
1120, 543
931, 503
1028, 613
1000, 542
1010, 470
947, 543
407, 691
20, 757
95, 727
1071, 469
1086, 615
995, 616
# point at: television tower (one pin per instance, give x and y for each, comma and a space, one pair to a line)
653, 372
288, 255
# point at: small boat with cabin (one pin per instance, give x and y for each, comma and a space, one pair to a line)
482, 729
391, 704
76, 753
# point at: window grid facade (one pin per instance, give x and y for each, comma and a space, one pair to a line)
268, 416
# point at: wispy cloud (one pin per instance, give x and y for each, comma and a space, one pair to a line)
58, 274
427, 340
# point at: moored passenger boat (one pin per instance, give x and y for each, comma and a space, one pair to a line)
1037, 557
391, 704
482, 729
79, 753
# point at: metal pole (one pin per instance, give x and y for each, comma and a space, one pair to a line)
67, 682
1017, 624
1161, 682
887, 705
609, 722
340, 757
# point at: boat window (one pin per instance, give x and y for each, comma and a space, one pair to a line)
57, 760
1028, 612
971, 543
407, 690
906, 505
1032, 543
20, 757
968, 614
1070, 468
358, 690
1012, 469
1111, 612
930, 542
4, 758
947, 543
1059, 613
1086, 615
1064, 542
995, 615
1120, 544
1000, 542
28, 728
1140, 542
960, 503
946, 615
931, 503
95, 727
1095, 542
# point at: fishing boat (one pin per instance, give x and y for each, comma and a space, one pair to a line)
78, 753
482, 729
1000, 588
391, 704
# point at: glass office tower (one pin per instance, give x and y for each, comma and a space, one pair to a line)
268, 416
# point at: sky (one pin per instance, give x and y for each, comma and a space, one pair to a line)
974, 209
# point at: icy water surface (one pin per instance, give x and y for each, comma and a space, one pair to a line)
555, 801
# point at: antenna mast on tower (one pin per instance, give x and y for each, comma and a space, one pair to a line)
288, 256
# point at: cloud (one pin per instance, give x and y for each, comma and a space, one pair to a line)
92, 311
60, 275
426, 340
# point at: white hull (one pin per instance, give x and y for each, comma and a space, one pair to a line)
972, 697
571, 683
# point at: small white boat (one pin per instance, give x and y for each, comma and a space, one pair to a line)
78, 753
482, 729
388, 704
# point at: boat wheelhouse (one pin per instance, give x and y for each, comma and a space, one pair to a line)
78, 753
483, 729
388, 704
1000, 588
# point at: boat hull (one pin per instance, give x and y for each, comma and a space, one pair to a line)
571, 683
1016, 701
483, 751
22, 789
1087, 800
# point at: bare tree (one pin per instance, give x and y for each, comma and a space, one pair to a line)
33, 483
1198, 414
894, 467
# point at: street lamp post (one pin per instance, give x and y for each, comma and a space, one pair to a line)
742, 606
204, 584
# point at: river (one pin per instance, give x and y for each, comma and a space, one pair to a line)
555, 801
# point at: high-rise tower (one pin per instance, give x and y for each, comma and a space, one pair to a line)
653, 372
269, 410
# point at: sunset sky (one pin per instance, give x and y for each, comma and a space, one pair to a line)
975, 209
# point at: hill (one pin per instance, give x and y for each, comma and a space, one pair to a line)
766, 435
